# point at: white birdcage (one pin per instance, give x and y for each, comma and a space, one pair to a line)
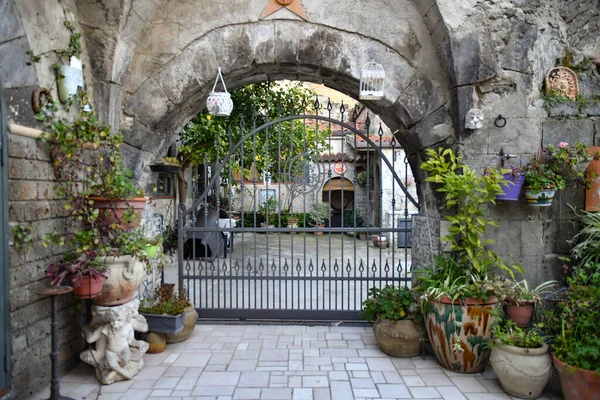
219, 104
372, 80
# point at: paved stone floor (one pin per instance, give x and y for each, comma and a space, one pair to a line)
285, 362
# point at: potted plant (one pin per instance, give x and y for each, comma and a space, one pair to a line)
515, 178
397, 321
318, 214
167, 165
268, 213
86, 275
353, 219
458, 291
521, 300
165, 311
70, 75
521, 360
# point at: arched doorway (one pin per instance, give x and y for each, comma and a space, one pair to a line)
339, 194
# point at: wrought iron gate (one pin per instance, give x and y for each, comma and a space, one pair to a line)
4, 262
250, 246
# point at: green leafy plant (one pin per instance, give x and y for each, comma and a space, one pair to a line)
361, 179
353, 219
319, 213
510, 334
76, 267
165, 302
585, 253
268, 211
32, 58
521, 291
73, 48
390, 303
22, 236
467, 194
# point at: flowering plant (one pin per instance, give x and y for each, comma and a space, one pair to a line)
76, 267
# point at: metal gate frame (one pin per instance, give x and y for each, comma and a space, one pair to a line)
187, 216
5, 332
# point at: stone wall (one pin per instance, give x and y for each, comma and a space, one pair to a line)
583, 24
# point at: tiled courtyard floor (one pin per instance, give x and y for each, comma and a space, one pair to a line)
284, 362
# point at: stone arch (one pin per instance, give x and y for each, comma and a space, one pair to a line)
414, 106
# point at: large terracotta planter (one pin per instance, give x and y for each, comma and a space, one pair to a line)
577, 384
520, 312
522, 372
88, 288
112, 210
189, 323
126, 274
468, 325
399, 338
592, 193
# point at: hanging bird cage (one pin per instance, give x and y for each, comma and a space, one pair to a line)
372, 79
219, 104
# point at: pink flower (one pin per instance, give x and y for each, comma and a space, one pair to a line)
562, 145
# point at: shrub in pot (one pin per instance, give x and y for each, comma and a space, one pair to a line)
397, 321
520, 359
86, 275
458, 291
521, 300
319, 213
165, 311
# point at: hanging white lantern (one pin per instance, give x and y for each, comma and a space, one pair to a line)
372, 80
219, 104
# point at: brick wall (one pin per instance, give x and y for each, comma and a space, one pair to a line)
31, 202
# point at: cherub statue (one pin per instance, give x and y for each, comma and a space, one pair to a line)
118, 355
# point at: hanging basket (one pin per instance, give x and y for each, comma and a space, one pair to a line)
372, 79
219, 104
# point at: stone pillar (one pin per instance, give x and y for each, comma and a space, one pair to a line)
117, 354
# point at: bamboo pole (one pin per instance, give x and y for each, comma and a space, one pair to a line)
24, 131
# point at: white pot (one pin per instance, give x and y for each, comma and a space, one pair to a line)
126, 274
219, 104
522, 372
543, 198
70, 77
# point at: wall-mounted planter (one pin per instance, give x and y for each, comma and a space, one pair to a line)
70, 78
165, 323
513, 189
543, 198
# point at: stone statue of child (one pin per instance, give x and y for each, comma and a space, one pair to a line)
118, 355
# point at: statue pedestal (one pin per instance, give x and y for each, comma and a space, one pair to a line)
117, 354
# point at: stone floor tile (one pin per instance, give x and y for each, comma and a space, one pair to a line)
175, 371
436, 380
186, 384
182, 393
242, 365
117, 387
341, 390
246, 394
216, 368
413, 381
408, 372
274, 355
333, 336
317, 360
136, 394
380, 364
246, 355
110, 396
378, 377
220, 359
192, 360
150, 373
403, 363
450, 393
362, 383
142, 384
355, 344
487, 396
468, 384
321, 394
295, 381
372, 353
424, 392
338, 353
338, 376
276, 394
171, 358
427, 362
254, 379
395, 391
161, 393
213, 391
365, 393
337, 344
302, 394
165, 382
492, 385
392, 377
218, 379
315, 381
193, 372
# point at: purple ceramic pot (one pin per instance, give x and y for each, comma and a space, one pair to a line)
513, 189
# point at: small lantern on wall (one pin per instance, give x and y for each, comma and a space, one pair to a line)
474, 119
372, 80
219, 104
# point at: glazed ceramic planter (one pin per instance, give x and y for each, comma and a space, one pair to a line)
520, 312
164, 323
88, 288
468, 325
543, 198
399, 338
577, 384
126, 274
522, 372
189, 323
512, 190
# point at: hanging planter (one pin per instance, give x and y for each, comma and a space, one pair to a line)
219, 104
540, 198
372, 80
513, 189
70, 78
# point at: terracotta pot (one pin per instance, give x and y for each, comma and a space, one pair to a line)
126, 274
88, 288
399, 338
520, 312
577, 384
112, 210
475, 319
522, 372
189, 323
375, 239
592, 193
